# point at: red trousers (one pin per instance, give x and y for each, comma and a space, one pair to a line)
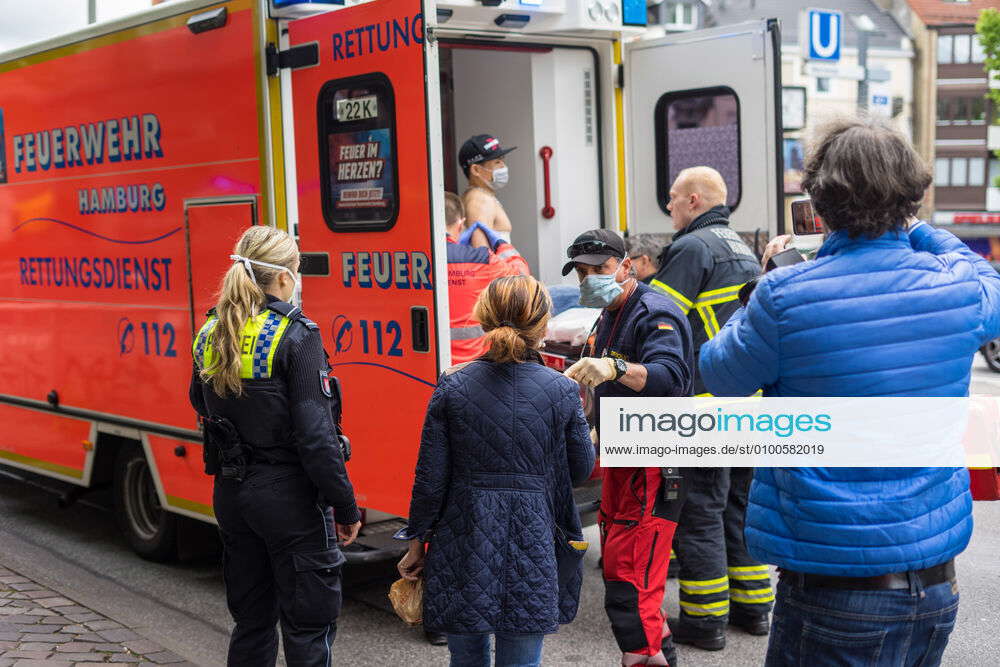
635, 546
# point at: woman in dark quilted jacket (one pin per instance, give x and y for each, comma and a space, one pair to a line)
493, 527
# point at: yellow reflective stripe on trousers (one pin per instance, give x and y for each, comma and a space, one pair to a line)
720, 608
682, 301
754, 596
749, 572
706, 590
702, 583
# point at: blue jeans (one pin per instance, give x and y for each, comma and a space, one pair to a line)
821, 627
512, 650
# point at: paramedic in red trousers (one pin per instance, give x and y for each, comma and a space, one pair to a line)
475, 257
702, 270
641, 347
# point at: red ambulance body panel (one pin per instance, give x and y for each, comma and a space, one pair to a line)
105, 141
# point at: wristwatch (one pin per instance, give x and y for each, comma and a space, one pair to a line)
620, 368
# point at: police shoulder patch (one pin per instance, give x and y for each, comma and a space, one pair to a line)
324, 383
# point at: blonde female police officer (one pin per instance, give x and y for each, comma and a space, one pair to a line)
262, 388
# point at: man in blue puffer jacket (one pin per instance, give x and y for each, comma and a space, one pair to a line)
886, 309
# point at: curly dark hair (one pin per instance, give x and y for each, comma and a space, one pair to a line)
864, 177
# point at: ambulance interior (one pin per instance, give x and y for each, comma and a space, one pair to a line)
513, 93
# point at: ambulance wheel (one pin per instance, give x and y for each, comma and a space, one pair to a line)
991, 353
151, 530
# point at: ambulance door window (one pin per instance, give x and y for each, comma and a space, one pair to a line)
698, 128
357, 134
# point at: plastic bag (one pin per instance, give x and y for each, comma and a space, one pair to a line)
572, 326
407, 599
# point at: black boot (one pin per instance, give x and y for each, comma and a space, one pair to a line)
708, 639
752, 625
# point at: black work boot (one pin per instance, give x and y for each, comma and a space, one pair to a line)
708, 639
752, 625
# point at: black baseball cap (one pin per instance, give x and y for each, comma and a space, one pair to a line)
480, 148
594, 247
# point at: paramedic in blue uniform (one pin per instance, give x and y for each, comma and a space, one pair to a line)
270, 412
642, 346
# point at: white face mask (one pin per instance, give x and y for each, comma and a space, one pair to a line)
500, 177
296, 297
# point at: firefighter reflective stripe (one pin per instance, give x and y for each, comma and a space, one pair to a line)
749, 572
720, 608
721, 295
467, 333
682, 301
704, 587
752, 596
751, 585
259, 342
198, 349
704, 302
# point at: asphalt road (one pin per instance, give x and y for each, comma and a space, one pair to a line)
79, 552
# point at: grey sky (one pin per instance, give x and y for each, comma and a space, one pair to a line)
26, 21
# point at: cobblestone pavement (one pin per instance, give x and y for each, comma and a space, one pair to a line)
40, 628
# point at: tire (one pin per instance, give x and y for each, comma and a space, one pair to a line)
151, 530
991, 353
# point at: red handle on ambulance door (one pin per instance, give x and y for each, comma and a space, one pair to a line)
547, 211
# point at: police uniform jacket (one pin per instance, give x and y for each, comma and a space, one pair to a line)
289, 405
702, 270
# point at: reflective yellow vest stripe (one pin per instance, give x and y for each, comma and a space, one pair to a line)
260, 338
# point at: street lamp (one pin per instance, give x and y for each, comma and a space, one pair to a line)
866, 28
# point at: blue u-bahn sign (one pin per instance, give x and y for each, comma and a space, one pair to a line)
824, 30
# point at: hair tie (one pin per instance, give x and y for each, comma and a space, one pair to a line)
508, 323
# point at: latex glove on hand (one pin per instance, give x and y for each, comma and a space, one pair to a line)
491, 236
592, 371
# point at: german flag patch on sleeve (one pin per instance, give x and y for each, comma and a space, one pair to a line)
663, 326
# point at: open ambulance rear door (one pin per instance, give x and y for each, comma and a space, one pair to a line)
374, 275
709, 97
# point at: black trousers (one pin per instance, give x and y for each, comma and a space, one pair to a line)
717, 576
281, 563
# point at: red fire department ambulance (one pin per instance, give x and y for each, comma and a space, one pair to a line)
133, 153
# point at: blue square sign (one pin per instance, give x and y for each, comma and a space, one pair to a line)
824, 31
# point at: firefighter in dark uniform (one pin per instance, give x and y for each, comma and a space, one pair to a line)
270, 412
702, 270
641, 347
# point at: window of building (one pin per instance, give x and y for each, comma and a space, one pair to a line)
822, 84
358, 177
977, 172
680, 16
963, 49
698, 127
945, 44
978, 54
994, 181
961, 110
959, 172
942, 171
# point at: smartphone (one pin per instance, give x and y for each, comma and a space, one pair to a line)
807, 229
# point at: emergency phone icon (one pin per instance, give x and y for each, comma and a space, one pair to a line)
126, 336
343, 337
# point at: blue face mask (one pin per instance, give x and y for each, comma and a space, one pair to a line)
599, 291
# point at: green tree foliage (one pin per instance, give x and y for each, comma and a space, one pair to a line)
988, 28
